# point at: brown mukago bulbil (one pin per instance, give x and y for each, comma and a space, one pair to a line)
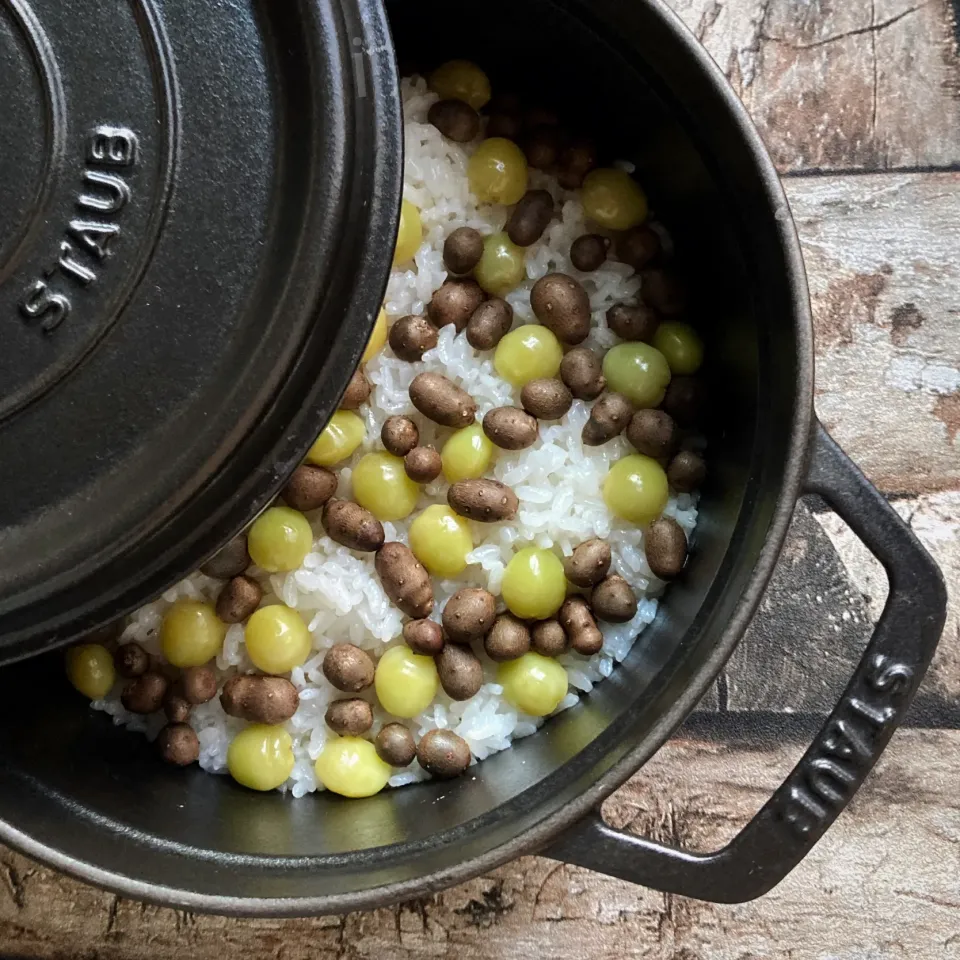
352, 717
469, 614
238, 599
260, 699
487, 501
546, 399
442, 401
530, 217
460, 672
405, 580
653, 433
309, 487
608, 418
549, 638
353, 526
577, 620
348, 668
665, 545
462, 250
232, 560
589, 563
399, 435
582, 373
423, 464
455, 119
178, 744
198, 684
489, 324
632, 321
424, 637
613, 600
443, 754
510, 428
454, 303
562, 305
131, 660
357, 392
411, 337
145, 693
395, 745
508, 639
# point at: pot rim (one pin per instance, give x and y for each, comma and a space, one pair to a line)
550, 827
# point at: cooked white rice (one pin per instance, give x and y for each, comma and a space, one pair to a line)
557, 481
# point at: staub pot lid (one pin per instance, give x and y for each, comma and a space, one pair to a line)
198, 204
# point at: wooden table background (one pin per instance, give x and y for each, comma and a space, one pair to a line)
859, 103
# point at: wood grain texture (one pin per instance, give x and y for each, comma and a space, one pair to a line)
840, 84
883, 883
883, 261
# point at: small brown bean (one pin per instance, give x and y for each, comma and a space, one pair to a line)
508, 639
510, 428
575, 162
638, 246
178, 744
562, 305
542, 146
487, 501
176, 707
232, 560
131, 660
454, 303
530, 217
608, 419
653, 433
490, 323
662, 290
665, 544
423, 464
404, 580
442, 401
352, 717
411, 337
588, 252
460, 672
198, 684
260, 699
540, 116
353, 526
577, 620
443, 754
632, 321
582, 373
589, 563
455, 119
238, 599
613, 600
357, 392
685, 400
549, 639
399, 435
395, 745
546, 399
462, 250
504, 123
309, 487
424, 637
469, 614
145, 694
348, 668
686, 471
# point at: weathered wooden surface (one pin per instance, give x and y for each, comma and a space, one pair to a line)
882, 884
841, 84
847, 86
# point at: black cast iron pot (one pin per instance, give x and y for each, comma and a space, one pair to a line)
92, 800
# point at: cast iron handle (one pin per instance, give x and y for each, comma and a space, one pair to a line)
847, 746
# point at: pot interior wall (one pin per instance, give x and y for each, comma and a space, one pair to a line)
69, 780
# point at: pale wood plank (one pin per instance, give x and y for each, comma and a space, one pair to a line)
840, 84
883, 261
883, 883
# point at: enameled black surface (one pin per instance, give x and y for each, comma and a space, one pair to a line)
91, 799
197, 204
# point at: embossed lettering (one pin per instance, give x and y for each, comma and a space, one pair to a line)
825, 779
844, 740
44, 305
68, 265
112, 194
94, 237
887, 676
104, 193
113, 146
